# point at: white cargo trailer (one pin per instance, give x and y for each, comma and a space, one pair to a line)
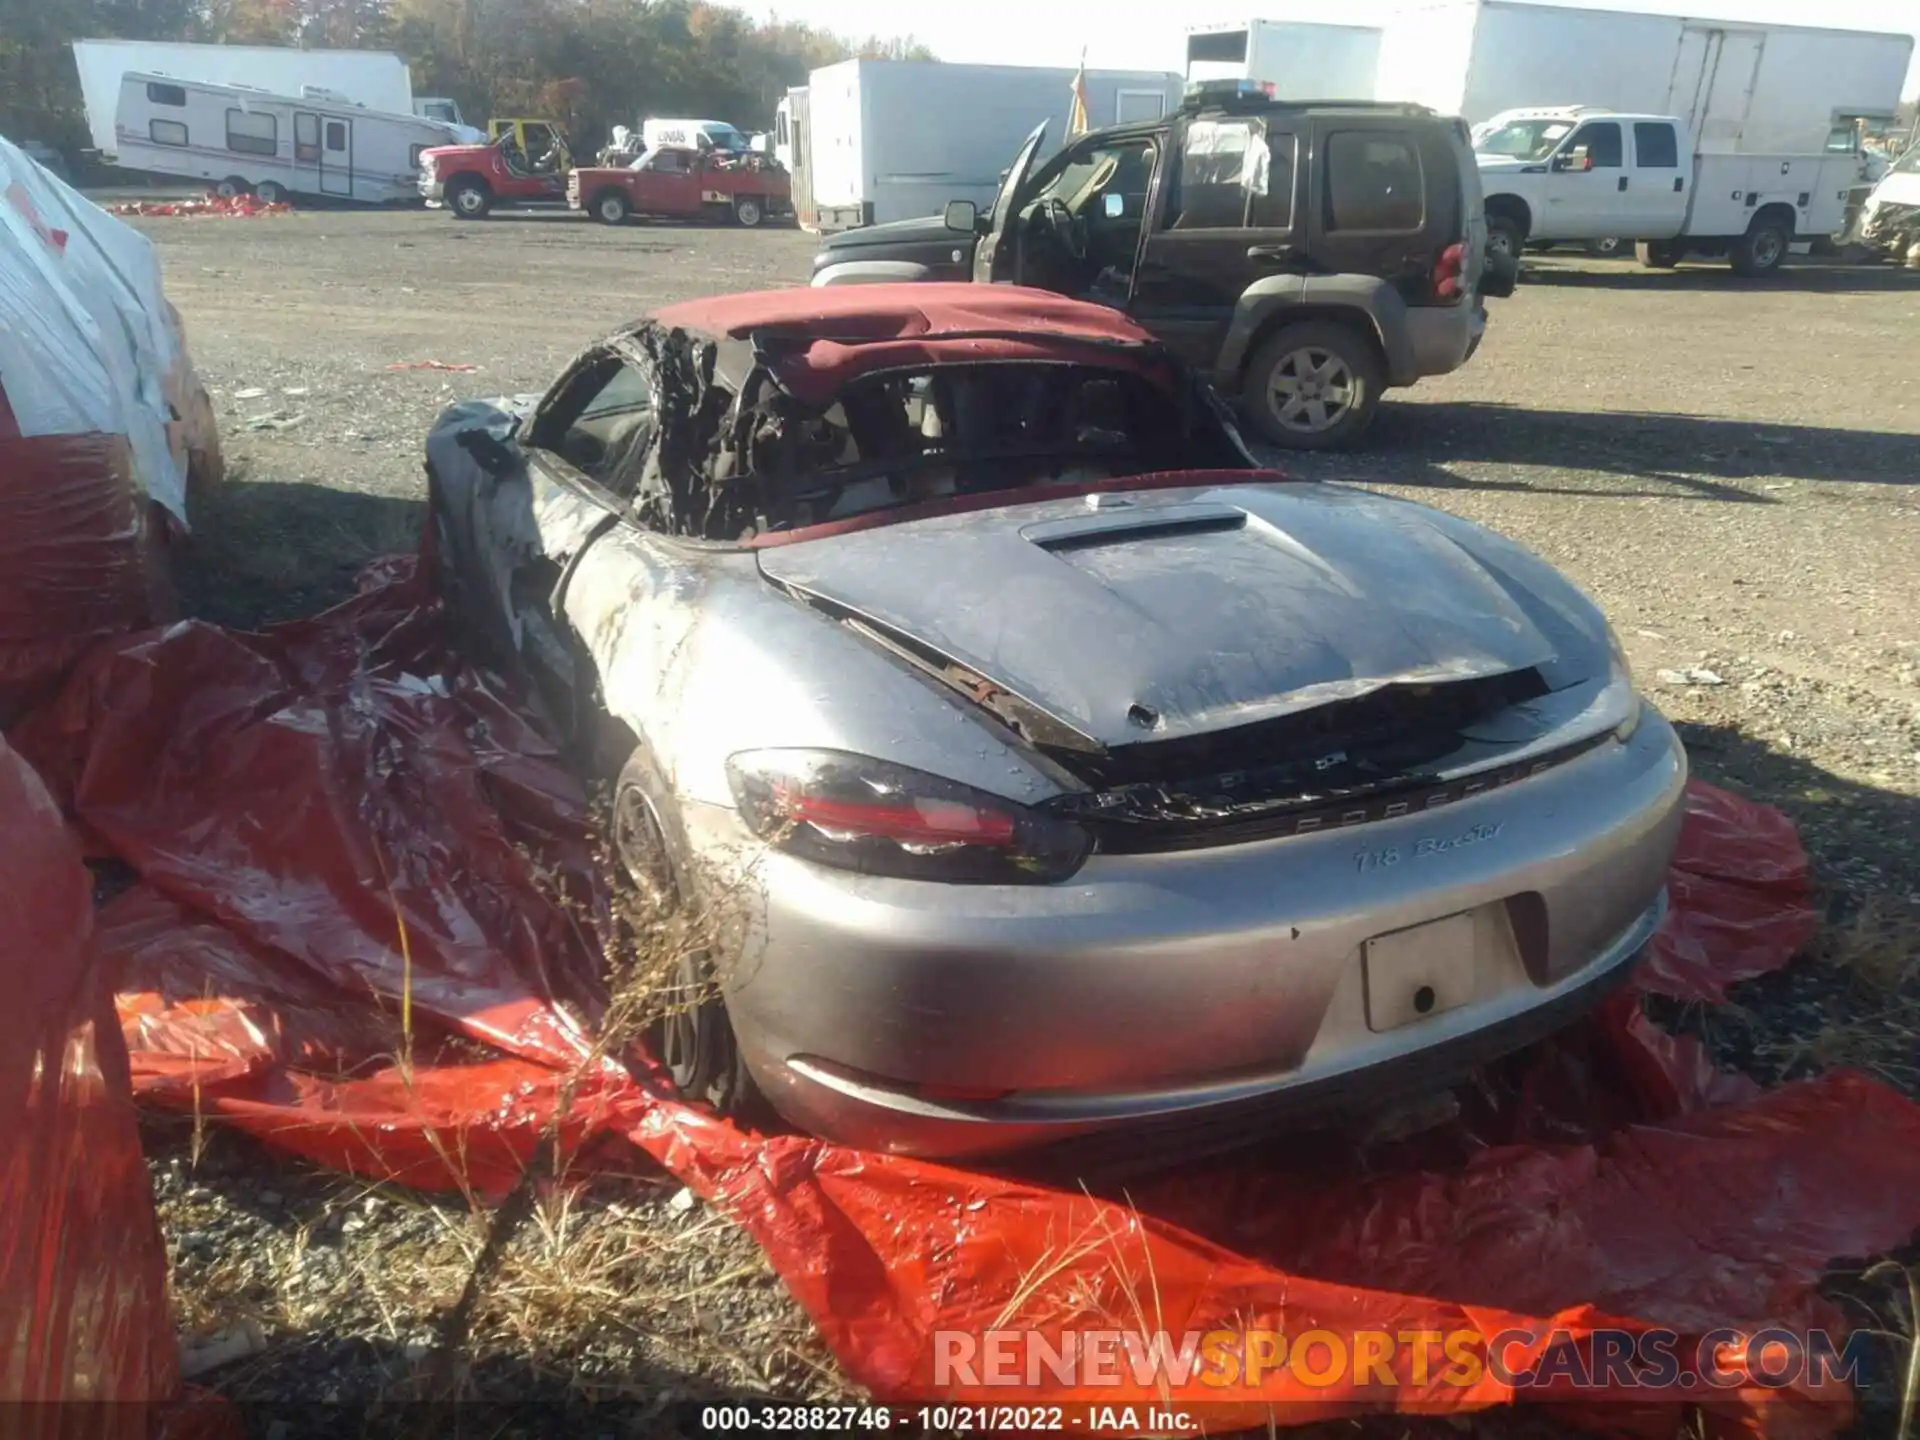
888, 140
1742, 88
1302, 60
377, 79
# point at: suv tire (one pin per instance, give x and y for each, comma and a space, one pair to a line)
1314, 385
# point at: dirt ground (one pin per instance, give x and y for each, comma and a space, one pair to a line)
1731, 468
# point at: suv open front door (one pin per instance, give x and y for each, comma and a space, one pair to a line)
989, 263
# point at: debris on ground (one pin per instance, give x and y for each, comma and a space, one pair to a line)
233, 207
1692, 675
432, 365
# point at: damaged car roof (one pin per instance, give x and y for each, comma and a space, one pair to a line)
817, 339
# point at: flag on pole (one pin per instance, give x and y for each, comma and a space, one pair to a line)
1077, 123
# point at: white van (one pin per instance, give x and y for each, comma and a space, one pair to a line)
693, 135
242, 140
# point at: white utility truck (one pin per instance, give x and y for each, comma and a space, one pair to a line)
1579, 173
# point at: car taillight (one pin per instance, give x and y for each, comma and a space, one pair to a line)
856, 813
1448, 281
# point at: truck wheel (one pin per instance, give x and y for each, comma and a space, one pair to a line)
469, 199
1657, 254
747, 211
1607, 248
1761, 249
1313, 386
270, 192
232, 188
612, 208
1505, 239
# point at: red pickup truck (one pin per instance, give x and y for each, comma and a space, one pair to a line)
669, 181
471, 180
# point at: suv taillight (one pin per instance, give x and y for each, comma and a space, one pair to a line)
1449, 283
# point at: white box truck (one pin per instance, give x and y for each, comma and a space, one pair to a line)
1302, 60
885, 140
377, 79
1742, 88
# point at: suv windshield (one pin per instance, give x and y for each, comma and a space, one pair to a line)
1524, 139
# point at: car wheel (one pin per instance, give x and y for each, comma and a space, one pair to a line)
232, 188
612, 208
1761, 249
1606, 249
691, 1035
1657, 254
1313, 386
270, 192
747, 211
1505, 239
469, 200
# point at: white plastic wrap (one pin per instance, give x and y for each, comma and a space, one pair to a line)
85, 341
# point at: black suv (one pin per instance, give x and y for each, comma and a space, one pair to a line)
1306, 256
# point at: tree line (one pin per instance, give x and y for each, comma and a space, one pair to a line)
588, 64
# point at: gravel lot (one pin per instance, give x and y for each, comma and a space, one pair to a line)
1730, 467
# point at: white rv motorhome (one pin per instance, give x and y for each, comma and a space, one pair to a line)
377, 79
274, 146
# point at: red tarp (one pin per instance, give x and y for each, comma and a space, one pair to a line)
340, 838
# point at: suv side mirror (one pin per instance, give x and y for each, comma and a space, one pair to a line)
964, 216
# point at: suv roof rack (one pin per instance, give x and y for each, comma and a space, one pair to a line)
1246, 96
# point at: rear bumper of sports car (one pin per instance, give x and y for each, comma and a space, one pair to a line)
1160, 992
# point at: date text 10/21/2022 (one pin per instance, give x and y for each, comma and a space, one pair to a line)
1117, 1420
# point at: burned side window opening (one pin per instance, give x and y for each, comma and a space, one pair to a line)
718, 470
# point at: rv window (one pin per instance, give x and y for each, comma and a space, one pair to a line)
1656, 147
413, 156
1373, 182
252, 133
166, 132
780, 128
167, 95
306, 138
336, 135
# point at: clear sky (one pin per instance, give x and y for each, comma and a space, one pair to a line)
1150, 34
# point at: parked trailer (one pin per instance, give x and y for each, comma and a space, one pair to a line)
1742, 89
276, 146
1302, 60
893, 140
376, 79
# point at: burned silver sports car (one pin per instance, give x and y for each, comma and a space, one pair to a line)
1082, 774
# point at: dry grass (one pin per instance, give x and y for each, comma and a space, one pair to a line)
1874, 1026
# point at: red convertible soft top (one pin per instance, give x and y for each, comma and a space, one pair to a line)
829, 335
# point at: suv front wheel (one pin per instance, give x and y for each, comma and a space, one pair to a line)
1313, 386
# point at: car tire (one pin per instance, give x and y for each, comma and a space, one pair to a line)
1761, 250
1506, 241
469, 200
612, 208
232, 188
1313, 386
748, 211
693, 1039
1657, 254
